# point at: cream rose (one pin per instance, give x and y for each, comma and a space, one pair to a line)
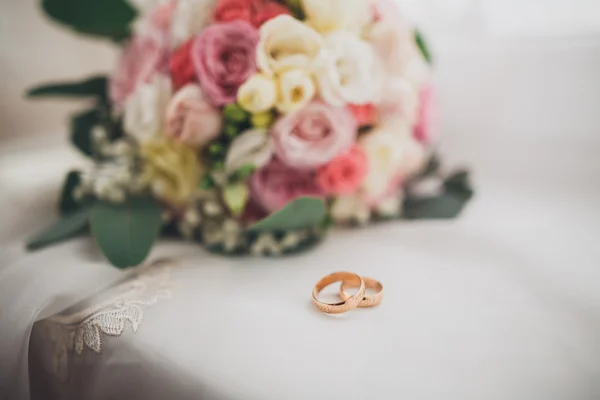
258, 94
287, 43
145, 109
350, 71
296, 89
393, 156
331, 15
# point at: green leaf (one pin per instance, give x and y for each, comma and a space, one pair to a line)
449, 204
67, 202
422, 43
105, 18
82, 126
304, 212
68, 226
126, 232
91, 87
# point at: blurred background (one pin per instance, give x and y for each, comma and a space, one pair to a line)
518, 82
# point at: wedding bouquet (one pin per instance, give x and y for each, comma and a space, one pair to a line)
249, 125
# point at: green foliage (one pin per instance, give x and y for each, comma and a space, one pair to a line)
456, 193
304, 212
94, 87
422, 43
126, 232
82, 127
67, 202
109, 19
69, 225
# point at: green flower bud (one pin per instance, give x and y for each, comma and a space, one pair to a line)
235, 113
262, 120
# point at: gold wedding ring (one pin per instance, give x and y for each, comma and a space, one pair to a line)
367, 301
347, 304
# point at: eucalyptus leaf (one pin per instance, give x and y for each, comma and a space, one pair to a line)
67, 202
94, 87
82, 127
68, 226
126, 232
449, 204
304, 212
423, 46
105, 18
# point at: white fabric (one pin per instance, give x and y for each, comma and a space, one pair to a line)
503, 303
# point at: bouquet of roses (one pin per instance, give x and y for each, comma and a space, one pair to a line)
249, 125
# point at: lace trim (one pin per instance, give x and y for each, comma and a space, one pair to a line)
72, 333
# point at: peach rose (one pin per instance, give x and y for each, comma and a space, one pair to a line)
313, 135
191, 119
345, 173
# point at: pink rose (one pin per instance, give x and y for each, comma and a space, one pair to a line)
276, 184
345, 173
145, 55
423, 128
224, 56
191, 119
313, 135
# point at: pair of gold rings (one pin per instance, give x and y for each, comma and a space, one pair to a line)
348, 302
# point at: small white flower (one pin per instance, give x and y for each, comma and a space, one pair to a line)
296, 89
253, 147
145, 109
258, 94
350, 209
265, 244
291, 240
212, 208
192, 217
390, 207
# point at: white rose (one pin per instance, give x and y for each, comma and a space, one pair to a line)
395, 45
258, 94
189, 17
253, 147
287, 43
393, 155
296, 89
331, 15
399, 98
145, 109
350, 71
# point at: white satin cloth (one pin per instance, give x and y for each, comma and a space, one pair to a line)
503, 303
